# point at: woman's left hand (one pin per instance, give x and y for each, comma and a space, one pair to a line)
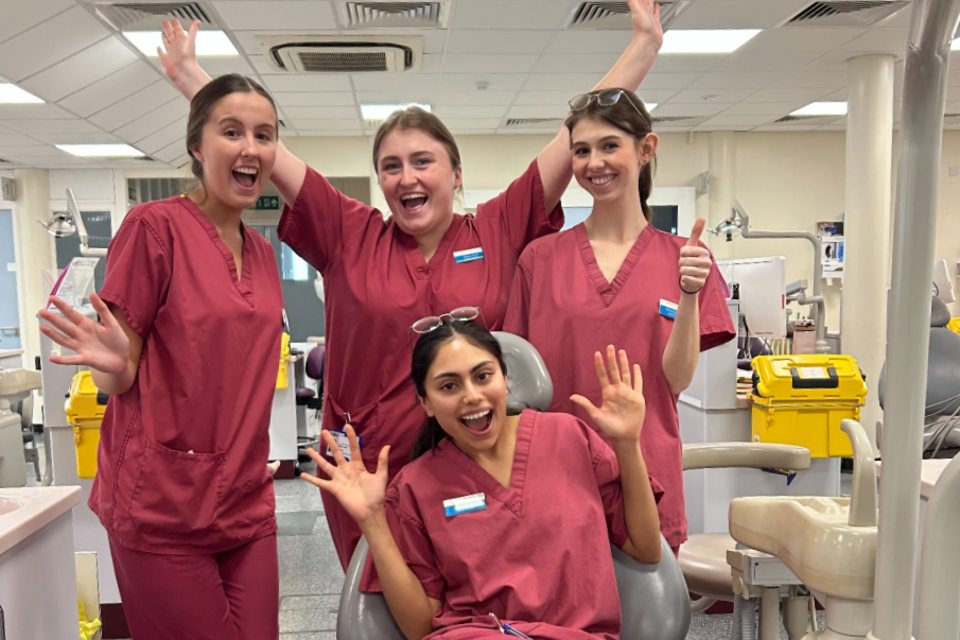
623, 409
695, 261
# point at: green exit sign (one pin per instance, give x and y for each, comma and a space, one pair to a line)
267, 203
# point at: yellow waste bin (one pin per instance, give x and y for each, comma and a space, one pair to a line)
84, 408
800, 399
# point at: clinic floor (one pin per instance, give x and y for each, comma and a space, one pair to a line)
310, 575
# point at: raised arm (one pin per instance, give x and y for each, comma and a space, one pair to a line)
108, 345
683, 346
554, 160
179, 59
362, 495
619, 419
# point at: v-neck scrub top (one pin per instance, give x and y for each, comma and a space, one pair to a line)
563, 304
183, 453
538, 555
377, 283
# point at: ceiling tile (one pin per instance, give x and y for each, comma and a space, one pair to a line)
170, 152
507, 14
80, 70
16, 112
683, 63
470, 81
281, 82
779, 109
808, 79
489, 63
735, 80
20, 16
479, 41
801, 40
476, 123
221, 65
154, 120
395, 97
172, 133
558, 110
736, 121
56, 126
589, 41
671, 109
109, 90
737, 14
718, 96
478, 96
134, 106
48, 43
463, 111
98, 137
331, 133
879, 40
278, 14
314, 99
598, 63
319, 113
674, 81
394, 81
331, 123
790, 95
16, 140
772, 61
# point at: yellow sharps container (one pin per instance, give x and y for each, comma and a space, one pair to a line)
84, 408
800, 399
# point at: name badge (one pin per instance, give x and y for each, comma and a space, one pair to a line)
668, 309
464, 504
343, 443
468, 255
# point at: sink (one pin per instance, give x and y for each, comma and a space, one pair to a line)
8, 504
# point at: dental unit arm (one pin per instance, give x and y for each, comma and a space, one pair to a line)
739, 220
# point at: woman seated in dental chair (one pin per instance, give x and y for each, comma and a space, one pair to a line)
503, 522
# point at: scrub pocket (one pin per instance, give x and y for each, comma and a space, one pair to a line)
177, 494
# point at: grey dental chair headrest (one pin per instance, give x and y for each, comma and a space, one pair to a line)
528, 381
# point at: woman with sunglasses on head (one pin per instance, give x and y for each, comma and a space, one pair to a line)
182, 487
616, 278
383, 274
458, 537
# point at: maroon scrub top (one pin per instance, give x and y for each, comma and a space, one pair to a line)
562, 303
538, 555
377, 284
183, 453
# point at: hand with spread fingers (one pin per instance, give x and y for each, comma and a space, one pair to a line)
694, 261
100, 345
179, 50
645, 15
622, 411
360, 492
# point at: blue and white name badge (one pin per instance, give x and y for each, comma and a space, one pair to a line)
468, 255
668, 309
343, 443
464, 504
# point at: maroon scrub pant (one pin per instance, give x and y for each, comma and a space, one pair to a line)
233, 595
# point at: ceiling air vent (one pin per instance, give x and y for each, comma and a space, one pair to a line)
124, 16
616, 15
394, 15
338, 54
846, 13
530, 123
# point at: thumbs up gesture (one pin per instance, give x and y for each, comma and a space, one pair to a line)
694, 261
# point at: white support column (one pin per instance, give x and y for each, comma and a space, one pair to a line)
34, 252
866, 269
723, 177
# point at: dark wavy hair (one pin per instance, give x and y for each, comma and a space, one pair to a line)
425, 352
629, 115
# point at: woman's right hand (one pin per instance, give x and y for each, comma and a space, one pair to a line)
645, 16
360, 492
178, 56
102, 345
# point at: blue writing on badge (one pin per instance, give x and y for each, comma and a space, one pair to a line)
464, 504
668, 309
468, 255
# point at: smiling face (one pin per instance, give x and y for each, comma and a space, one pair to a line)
418, 180
466, 392
237, 149
607, 160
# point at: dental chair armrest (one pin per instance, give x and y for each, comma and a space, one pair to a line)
756, 455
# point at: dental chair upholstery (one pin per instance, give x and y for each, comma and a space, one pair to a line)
654, 600
313, 367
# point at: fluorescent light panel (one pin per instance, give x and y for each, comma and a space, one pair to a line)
209, 43
822, 109
706, 40
101, 150
12, 94
381, 111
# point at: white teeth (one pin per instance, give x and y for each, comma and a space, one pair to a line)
601, 180
248, 170
412, 196
475, 416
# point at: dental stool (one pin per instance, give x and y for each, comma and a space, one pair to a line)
654, 600
313, 367
703, 557
829, 543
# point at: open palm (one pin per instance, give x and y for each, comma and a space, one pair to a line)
98, 344
622, 410
360, 492
645, 15
179, 51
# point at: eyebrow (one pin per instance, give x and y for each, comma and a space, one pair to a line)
235, 120
453, 374
415, 154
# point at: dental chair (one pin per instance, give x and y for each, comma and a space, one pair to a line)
654, 600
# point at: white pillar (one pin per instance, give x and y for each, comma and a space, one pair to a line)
34, 252
866, 269
723, 176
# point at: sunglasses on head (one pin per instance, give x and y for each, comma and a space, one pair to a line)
432, 323
605, 98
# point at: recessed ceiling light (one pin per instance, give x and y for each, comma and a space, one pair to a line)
209, 43
12, 94
822, 109
706, 40
381, 111
101, 150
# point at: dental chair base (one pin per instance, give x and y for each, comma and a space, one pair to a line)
761, 578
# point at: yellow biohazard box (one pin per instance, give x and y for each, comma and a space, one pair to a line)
801, 399
84, 408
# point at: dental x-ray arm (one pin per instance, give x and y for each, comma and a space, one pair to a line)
73, 209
